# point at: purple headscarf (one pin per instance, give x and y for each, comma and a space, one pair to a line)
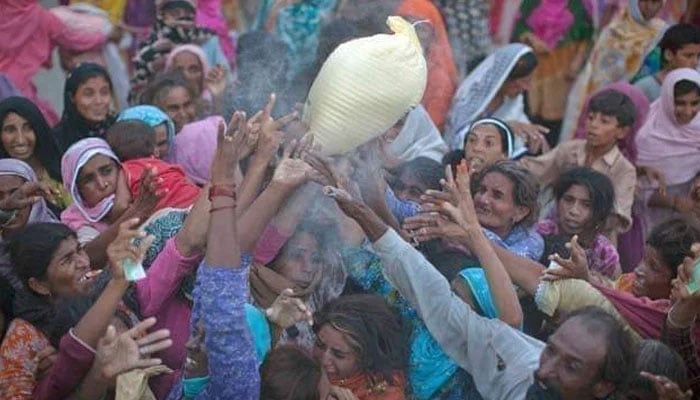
641, 103
73, 160
195, 146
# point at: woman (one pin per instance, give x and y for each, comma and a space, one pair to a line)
87, 102
307, 264
29, 34
486, 142
505, 198
171, 93
494, 89
159, 121
25, 135
359, 344
13, 175
560, 32
584, 200
666, 143
57, 279
191, 60
617, 55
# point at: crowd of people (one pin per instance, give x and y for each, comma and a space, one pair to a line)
530, 230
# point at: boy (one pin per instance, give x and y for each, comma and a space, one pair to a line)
134, 142
680, 48
610, 116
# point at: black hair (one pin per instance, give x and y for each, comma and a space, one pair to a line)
672, 240
684, 86
289, 374
615, 104
656, 358
453, 158
131, 139
373, 331
429, 172
526, 190
32, 248
525, 65
599, 186
620, 358
46, 147
676, 37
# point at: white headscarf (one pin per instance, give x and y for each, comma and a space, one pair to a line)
419, 137
480, 87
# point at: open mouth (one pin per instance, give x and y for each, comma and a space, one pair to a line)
90, 275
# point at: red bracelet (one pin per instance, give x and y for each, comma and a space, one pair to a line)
222, 191
233, 207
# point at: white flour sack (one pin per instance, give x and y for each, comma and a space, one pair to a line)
365, 87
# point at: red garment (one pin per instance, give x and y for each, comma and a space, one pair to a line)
442, 71
365, 387
28, 35
178, 190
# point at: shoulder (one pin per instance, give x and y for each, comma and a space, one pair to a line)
22, 338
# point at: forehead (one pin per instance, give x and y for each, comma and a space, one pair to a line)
13, 118
67, 246
96, 162
690, 48
177, 95
186, 58
578, 191
575, 340
334, 338
485, 131
93, 82
303, 240
10, 182
688, 97
496, 180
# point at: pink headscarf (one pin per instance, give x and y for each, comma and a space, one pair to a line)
21, 18
209, 15
550, 21
641, 103
197, 51
78, 213
664, 144
195, 146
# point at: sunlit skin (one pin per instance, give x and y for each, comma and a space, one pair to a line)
8, 185
335, 354
571, 361
97, 179
686, 107
179, 106
652, 276
650, 8
495, 206
515, 87
300, 261
93, 98
602, 133
18, 137
191, 68
574, 210
483, 146
685, 57
68, 274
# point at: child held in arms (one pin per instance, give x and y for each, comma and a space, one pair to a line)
611, 114
134, 142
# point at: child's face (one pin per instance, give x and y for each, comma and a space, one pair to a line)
574, 210
685, 57
686, 107
603, 130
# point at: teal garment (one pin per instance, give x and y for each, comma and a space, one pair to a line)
260, 330
192, 387
163, 226
476, 279
153, 116
431, 372
650, 66
299, 26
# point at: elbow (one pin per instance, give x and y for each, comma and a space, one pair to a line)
513, 318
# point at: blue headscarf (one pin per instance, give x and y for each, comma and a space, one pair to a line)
153, 116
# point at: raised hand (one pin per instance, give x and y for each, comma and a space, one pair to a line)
532, 135
117, 354
28, 194
216, 81
149, 195
666, 389
655, 175
271, 134
679, 290
575, 267
230, 142
123, 247
288, 310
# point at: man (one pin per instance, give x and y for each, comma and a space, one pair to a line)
680, 48
588, 357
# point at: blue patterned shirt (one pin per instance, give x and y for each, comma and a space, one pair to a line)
520, 241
